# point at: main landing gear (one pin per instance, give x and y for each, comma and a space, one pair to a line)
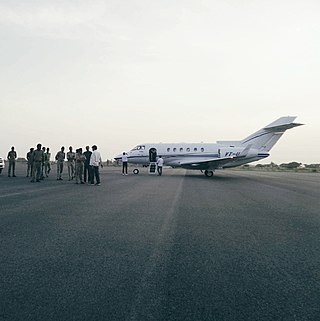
208, 173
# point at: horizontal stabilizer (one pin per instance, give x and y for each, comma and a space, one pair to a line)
282, 124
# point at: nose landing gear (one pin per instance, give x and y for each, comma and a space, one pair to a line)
208, 173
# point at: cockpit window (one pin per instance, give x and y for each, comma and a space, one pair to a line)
139, 147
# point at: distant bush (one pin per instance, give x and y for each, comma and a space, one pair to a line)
291, 165
268, 166
313, 166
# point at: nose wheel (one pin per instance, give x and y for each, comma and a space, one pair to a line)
208, 173
136, 171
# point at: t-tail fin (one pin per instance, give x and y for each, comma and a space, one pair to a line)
265, 138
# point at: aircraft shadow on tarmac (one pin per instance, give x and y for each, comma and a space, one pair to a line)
217, 177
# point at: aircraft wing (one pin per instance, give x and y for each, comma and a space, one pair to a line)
206, 164
213, 163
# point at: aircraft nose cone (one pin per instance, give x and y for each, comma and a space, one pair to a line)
118, 157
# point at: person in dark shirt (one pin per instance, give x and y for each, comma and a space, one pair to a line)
87, 171
12, 155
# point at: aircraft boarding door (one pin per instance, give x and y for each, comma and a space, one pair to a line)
153, 161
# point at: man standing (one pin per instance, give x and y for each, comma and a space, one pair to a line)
12, 155
159, 165
60, 160
38, 160
30, 162
43, 163
47, 166
95, 162
87, 169
124, 160
80, 159
71, 157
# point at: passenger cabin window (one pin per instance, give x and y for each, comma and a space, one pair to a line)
181, 149
195, 149
202, 149
168, 149
188, 149
174, 149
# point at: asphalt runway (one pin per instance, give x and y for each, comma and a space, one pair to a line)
240, 246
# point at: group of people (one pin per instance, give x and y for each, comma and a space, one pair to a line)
40, 161
83, 166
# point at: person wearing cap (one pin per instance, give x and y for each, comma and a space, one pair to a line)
60, 161
12, 155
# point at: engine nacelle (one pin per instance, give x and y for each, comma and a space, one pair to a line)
252, 152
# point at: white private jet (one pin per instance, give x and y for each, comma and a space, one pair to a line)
208, 157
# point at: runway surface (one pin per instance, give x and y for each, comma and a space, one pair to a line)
239, 246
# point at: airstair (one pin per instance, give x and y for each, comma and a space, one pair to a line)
153, 168
153, 161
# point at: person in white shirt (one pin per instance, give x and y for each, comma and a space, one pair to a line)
124, 160
159, 165
95, 162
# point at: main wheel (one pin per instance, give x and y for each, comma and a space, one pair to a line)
208, 173
136, 171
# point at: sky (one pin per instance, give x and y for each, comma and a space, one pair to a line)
117, 73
